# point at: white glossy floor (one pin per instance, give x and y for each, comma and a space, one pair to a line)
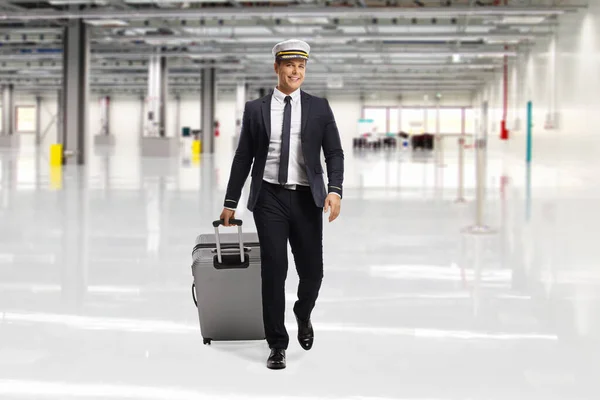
95, 277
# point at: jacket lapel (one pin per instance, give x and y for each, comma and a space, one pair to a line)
305, 99
266, 114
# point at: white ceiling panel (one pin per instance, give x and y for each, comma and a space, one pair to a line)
252, 30
354, 29
244, 35
291, 29
308, 20
410, 29
242, 30
478, 29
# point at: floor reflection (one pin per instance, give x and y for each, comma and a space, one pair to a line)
95, 283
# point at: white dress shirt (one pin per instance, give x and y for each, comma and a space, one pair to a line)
296, 166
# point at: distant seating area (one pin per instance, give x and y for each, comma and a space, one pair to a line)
422, 141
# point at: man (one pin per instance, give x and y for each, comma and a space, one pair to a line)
283, 133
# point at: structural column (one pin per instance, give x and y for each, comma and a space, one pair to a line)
104, 137
240, 103
552, 115
142, 116
157, 96
105, 115
208, 109
155, 141
59, 113
8, 106
177, 114
75, 92
164, 90
8, 138
38, 120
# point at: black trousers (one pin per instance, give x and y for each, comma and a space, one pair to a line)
281, 215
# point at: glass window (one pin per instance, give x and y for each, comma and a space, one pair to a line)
379, 117
394, 121
470, 121
25, 119
412, 120
450, 120
431, 121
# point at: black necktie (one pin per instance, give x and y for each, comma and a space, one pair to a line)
285, 141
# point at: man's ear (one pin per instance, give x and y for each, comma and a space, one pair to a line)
275, 65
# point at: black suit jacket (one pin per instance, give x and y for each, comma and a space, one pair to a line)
318, 130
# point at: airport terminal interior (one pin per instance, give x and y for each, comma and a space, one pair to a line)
463, 265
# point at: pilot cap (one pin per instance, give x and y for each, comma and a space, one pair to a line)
292, 48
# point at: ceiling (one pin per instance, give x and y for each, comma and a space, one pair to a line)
357, 46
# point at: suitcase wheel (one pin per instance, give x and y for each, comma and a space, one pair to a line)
207, 341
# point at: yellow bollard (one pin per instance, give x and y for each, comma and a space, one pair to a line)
56, 177
56, 155
196, 147
195, 159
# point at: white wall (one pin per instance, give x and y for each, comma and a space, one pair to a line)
561, 78
48, 115
565, 169
347, 111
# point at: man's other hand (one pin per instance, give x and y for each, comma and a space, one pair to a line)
333, 204
227, 215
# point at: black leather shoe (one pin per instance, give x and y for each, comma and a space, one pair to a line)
306, 334
276, 359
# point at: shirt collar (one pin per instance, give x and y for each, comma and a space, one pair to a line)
279, 96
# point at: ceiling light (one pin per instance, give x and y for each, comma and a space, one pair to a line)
29, 71
502, 41
308, 20
533, 19
106, 22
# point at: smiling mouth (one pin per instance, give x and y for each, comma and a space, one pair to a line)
294, 79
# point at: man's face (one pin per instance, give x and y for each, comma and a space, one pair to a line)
291, 74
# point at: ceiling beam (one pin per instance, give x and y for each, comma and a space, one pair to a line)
321, 37
346, 52
285, 12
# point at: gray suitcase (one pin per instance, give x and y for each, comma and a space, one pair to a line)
227, 285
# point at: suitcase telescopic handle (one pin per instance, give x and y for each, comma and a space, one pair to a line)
216, 225
232, 221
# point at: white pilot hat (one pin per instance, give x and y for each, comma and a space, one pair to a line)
292, 48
